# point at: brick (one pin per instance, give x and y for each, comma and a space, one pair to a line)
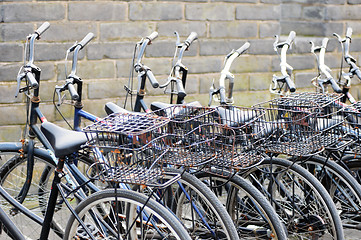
60, 32
47, 90
342, 12
218, 47
204, 64
234, 29
252, 64
205, 81
183, 28
269, 29
8, 72
291, 11
48, 71
10, 133
167, 49
258, 12
91, 70
354, 1
303, 28
7, 94
160, 49
104, 89
160, 66
303, 79
115, 50
210, 12
260, 81
313, 12
11, 52
236, 1
121, 30
123, 67
261, 47
271, 1
15, 31
298, 62
54, 51
104, 11
155, 11
26, 12
14, 114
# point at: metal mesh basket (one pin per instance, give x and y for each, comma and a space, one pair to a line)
352, 127
239, 138
128, 148
191, 135
299, 126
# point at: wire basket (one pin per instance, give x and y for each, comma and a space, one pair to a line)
299, 126
352, 115
128, 148
191, 135
239, 138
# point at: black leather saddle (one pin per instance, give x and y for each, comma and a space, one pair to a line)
63, 141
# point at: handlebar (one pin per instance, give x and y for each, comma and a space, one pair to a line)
290, 38
29, 69
193, 36
42, 29
73, 93
335, 86
152, 79
152, 36
86, 40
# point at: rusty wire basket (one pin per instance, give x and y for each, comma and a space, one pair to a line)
128, 148
352, 115
191, 135
239, 138
301, 125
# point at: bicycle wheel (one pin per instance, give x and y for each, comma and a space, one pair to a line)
12, 179
343, 188
198, 208
124, 214
352, 163
298, 198
250, 211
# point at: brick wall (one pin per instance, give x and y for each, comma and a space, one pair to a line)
118, 25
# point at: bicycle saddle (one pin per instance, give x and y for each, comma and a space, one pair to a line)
63, 141
160, 105
235, 117
114, 108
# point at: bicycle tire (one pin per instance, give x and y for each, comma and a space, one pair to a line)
12, 177
343, 188
260, 221
108, 198
205, 201
13, 172
305, 206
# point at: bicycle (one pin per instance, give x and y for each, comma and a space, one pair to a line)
62, 149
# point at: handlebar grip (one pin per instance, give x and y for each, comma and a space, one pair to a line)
86, 40
42, 28
193, 36
153, 36
291, 37
348, 32
243, 48
335, 86
180, 89
324, 42
290, 84
152, 79
32, 81
73, 93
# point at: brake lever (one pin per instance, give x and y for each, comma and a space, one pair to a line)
212, 92
58, 90
18, 80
